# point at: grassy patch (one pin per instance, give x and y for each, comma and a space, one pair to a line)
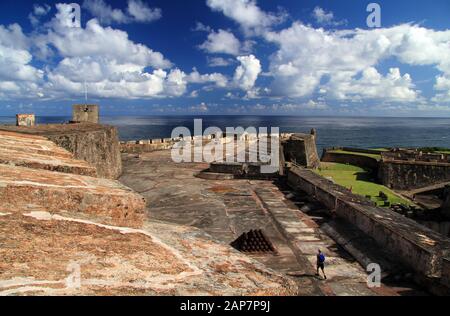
381, 149
374, 156
359, 180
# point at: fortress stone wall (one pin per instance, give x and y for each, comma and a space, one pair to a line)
302, 149
364, 162
415, 246
446, 203
57, 216
147, 145
406, 175
155, 144
402, 169
94, 143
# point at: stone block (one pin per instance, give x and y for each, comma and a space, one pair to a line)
85, 113
97, 144
40, 153
56, 191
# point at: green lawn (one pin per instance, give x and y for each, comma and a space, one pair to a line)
375, 156
359, 180
381, 149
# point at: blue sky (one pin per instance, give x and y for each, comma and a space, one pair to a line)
226, 57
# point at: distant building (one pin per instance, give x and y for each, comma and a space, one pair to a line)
25, 120
85, 113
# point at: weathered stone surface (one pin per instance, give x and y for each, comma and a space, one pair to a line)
55, 191
446, 271
406, 175
225, 208
39, 153
222, 208
87, 113
44, 252
412, 244
94, 143
446, 203
25, 119
302, 149
69, 234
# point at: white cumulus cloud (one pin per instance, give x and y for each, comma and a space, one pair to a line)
246, 13
325, 18
101, 58
223, 42
247, 72
309, 60
17, 75
137, 11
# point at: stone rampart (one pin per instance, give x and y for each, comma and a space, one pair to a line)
97, 144
362, 161
143, 146
302, 149
406, 175
417, 247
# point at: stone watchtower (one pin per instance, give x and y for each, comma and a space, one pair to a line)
301, 149
25, 120
85, 113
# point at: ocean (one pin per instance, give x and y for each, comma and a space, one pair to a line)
366, 132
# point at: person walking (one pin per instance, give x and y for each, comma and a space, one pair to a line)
321, 263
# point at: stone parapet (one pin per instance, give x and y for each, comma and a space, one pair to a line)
97, 144
412, 244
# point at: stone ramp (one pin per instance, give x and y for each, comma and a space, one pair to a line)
39, 153
57, 191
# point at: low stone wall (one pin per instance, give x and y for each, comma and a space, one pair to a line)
156, 144
144, 146
406, 175
355, 160
442, 227
241, 170
150, 145
97, 144
410, 243
362, 150
445, 207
